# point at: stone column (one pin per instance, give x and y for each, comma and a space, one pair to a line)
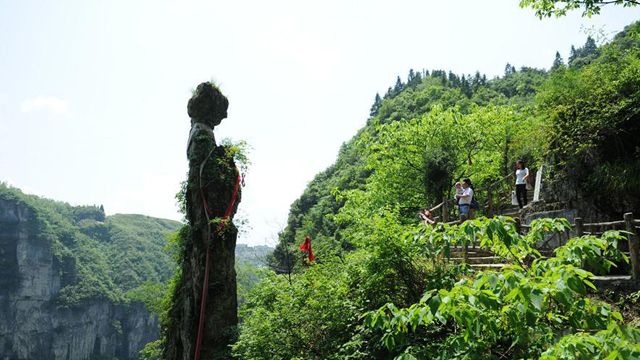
213, 180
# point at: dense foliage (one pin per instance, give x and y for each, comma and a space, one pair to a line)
593, 108
519, 312
436, 128
385, 288
311, 213
399, 297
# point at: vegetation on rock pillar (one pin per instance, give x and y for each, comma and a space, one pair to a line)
208, 193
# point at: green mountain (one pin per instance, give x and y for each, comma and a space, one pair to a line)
384, 286
311, 214
548, 125
69, 277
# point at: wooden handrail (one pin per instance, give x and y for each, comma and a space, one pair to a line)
437, 207
610, 223
501, 180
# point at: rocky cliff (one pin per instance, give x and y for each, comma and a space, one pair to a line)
57, 299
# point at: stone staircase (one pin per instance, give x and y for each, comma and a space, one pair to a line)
479, 259
514, 210
482, 259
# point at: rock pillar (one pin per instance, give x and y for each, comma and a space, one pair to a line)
212, 187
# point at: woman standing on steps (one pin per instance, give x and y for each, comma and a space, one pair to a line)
522, 174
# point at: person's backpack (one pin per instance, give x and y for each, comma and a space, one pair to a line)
474, 205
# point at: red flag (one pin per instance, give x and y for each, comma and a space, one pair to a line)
306, 246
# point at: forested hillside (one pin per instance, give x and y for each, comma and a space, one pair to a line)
75, 268
113, 256
384, 286
437, 127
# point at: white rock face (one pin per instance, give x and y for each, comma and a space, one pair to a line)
32, 327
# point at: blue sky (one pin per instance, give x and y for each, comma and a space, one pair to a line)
93, 94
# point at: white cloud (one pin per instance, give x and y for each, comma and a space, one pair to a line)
52, 104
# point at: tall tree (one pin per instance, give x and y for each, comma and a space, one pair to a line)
465, 86
589, 47
418, 78
477, 82
414, 78
397, 89
389, 93
376, 105
410, 77
509, 70
572, 55
558, 62
454, 81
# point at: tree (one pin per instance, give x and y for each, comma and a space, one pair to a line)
397, 89
584, 55
509, 70
414, 78
572, 55
559, 8
389, 93
477, 82
376, 105
465, 86
411, 77
590, 47
454, 80
558, 62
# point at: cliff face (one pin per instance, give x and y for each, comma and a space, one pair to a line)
33, 323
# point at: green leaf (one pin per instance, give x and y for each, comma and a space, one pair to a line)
576, 285
536, 298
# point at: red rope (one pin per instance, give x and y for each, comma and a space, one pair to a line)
205, 290
205, 286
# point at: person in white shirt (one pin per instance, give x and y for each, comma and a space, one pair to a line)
522, 174
465, 199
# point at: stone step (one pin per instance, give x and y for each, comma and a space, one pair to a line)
493, 267
472, 253
478, 260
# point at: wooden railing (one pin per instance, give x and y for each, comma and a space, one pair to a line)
629, 224
495, 196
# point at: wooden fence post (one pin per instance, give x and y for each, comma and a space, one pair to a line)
579, 227
489, 202
518, 225
465, 252
445, 209
633, 245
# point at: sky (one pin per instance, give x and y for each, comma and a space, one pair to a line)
93, 94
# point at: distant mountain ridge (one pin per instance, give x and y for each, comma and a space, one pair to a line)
255, 255
65, 277
69, 277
